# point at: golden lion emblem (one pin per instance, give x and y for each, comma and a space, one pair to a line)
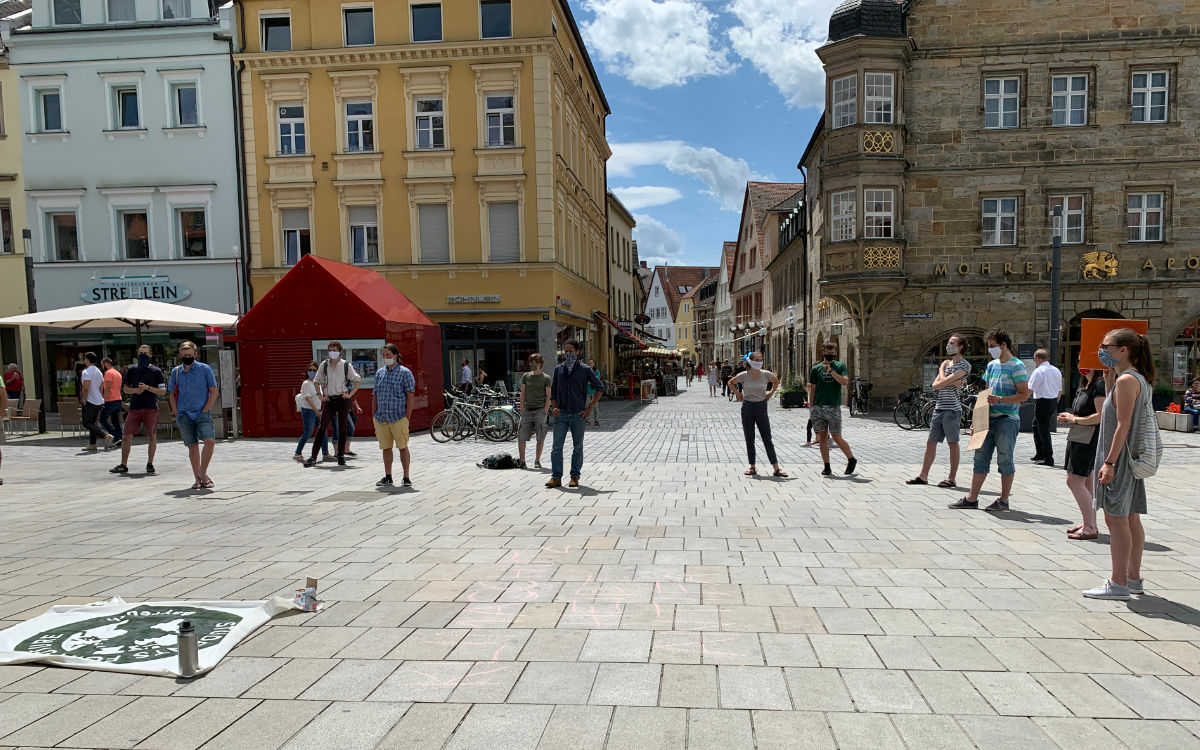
1099, 264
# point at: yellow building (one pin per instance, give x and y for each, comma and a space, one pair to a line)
685, 324
457, 147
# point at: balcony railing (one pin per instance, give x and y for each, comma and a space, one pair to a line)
873, 257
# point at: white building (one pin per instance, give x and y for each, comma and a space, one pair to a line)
723, 316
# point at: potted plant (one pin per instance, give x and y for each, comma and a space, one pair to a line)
1162, 398
792, 392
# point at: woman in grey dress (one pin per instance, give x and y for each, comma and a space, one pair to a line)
1119, 492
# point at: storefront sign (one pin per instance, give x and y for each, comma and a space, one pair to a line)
112, 288
470, 299
1171, 264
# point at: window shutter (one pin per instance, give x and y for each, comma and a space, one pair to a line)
360, 215
434, 224
295, 218
504, 231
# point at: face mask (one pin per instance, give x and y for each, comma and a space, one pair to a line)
389, 361
995, 351
755, 364
312, 374
143, 360
1106, 358
188, 360
334, 354
1084, 372
951, 349
830, 357
569, 359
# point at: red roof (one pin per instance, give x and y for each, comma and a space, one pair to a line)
766, 197
674, 277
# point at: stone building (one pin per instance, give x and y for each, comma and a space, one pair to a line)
951, 132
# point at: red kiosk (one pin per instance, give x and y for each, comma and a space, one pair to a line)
314, 303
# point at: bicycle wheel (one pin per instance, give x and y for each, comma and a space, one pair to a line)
900, 416
927, 413
439, 427
498, 425
461, 427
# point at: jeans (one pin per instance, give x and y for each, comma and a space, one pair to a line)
335, 408
755, 413
574, 423
351, 423
89, 415
110, 418
1001, 439
1043, 418
310, 419
1195, 415
197, 429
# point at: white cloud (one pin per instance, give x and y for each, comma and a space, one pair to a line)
645, 196
780, 38
724, 176
658, 244
654, 43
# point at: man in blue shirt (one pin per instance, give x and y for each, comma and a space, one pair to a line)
193, 390
570, 406
392, 400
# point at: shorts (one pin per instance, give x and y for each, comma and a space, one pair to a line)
827, 419
136, 418
194, 430
1001, 440
533, 421
944, 424
390, 433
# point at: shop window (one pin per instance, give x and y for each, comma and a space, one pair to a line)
62, 235
427, 22
296, 235
495, 19
364, 234
433, 224
276, 33
360, 126
67, 12
185, 105
193, 232
430, 125
292, 133
1145, 217
134, 228
504, 232
122, 11
49, 110
174, 9
501, 120
1072, 218
359, 26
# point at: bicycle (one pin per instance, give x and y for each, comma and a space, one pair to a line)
860, 397
912, 409
473, 416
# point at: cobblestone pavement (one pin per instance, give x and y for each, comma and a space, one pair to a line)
672, 602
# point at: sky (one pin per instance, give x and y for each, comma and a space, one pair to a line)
705, 95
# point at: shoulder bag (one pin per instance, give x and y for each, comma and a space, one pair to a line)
1145, 442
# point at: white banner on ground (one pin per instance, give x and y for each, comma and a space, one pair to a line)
116, 636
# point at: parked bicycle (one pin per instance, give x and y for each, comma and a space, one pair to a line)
474, 415
860, 396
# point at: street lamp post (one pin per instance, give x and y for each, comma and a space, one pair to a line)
1055, 282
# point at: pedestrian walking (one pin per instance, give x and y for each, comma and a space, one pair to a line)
192, 388
465, 381
825, 383
726, 374
592, 391
757, 387
1119, 491
713, 375
1009, 380
947, 411
1046, 383
1191, 404
308, 403
570, 407
114, 403
92, 399
144, 383
534, 407
14, 383
1082, 437
391, 408
339, 381
689, 372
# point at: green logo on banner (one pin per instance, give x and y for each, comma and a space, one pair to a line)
135, 635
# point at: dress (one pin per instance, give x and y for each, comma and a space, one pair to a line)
1126, 493
1081, 457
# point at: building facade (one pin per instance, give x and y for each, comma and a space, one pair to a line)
130, 163
725, 326
704, 310
947, 147
456, 147
664, 305
622, 277
789, 282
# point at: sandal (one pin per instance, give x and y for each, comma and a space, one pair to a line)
1080, 536
1075, 529
207, 484
751, 472
916, 480
779, 473
946, 483
197, 484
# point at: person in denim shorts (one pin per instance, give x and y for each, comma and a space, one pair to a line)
947, 411
193, 391
825, 383
1009, 381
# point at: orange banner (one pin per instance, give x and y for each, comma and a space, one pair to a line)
1093, 332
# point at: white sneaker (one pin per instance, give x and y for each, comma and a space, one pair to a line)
1135, 585
1108, 590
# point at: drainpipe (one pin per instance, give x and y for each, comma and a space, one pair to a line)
245, 291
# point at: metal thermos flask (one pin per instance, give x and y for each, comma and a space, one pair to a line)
189, 654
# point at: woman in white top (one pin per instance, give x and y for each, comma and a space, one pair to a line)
713, 375
758, 385
308, 403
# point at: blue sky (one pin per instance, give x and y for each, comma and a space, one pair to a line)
705, 94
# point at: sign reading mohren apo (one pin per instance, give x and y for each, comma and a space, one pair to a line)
113, 288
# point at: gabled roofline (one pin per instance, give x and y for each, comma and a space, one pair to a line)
587, 59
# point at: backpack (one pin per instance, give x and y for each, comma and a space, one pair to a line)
498, 461
345, 374
1145, 442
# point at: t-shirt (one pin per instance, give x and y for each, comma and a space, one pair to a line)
754, 390
828, 391
308, 397
151, 376
535, 384
112, 385
13, 381
466, 375
948, 397
92, 378
1003, 378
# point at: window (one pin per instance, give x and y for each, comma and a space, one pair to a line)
1001, 103
504, 232
62, 236
1069, 99
878, 92
364, 234
193, 232
67, 13
1145, 217
427, 22
999, 222
359, 26
291, 129
185, 105
1072, 218
430, 127
845, 101
276, 33
841, 209
172, 9
501, 120
434, 229
49, 110
495, 19
122, 11
877, 213
360, 127
296, 239
6, 228
135, 235
125, 108
1149, 96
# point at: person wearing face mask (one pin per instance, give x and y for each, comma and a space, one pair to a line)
947, 412
339, 381
1083, 418
193, 390
570, 407
825, 383
308, 403
392, 402
534, 406
757, 387
144, 383
1009, 380
1118, 489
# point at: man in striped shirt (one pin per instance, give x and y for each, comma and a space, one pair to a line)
947, 411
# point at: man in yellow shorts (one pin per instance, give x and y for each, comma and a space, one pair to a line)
392, 401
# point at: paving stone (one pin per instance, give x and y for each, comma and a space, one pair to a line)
753, 687
1016, 694
901, 652
950, 693
787, 650
554, 683
576, 727
487, 682
421, 682
291, 679
710, 729
638, 728
930, 732
490, 645
1149, 696
132, 723
1005, 733
865, 731
425, 726
487, 727
671, 647
818, 690
617, 646
230, 678
1083, 697
626, 685
1077, 734
791, 730
348, 726
72, 716
850, 651
553, 644
689, 686
881, 691
1151, 735
352, 679
731, 648
199, 725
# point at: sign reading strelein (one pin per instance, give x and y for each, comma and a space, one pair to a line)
112, 288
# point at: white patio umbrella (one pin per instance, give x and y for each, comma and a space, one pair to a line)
141, 314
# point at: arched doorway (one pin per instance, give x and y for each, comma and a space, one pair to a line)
1070, 351
1182, 363
935, 353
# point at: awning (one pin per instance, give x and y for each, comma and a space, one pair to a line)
653, 352
621, 331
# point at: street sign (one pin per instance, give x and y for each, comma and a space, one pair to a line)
916, 316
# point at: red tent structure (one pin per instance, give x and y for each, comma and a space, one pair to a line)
316, 302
